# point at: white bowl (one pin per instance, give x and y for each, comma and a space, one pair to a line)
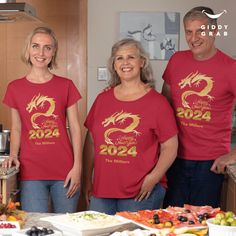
9, 231
220, 230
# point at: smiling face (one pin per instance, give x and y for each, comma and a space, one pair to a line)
41, 50
128, 63
200, 41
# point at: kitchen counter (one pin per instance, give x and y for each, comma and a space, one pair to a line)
228, 202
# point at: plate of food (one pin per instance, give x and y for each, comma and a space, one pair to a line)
141, 232
173, 219
87, 223
138, 232
10, 212
37, 231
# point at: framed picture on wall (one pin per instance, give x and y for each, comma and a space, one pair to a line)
158, 32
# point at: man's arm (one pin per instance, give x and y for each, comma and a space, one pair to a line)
222, 162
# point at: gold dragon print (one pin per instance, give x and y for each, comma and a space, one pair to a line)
194, 79
38, 101
120, 117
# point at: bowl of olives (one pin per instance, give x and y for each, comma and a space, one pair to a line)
224, 223
37, 231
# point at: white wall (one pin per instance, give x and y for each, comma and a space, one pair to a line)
103, 28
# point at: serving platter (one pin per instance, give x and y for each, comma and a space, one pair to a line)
138, 232
179, 220
87, 223
178, 230
22, 232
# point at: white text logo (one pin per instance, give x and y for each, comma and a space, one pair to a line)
214, 16
214, 30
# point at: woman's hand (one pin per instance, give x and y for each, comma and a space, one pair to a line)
88, 167
11, 161
146, 188
73, 180
167, 155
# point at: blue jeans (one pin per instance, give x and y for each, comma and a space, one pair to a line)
112, 205
35, 196
192, 182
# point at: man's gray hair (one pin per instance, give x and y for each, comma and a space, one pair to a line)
198, 13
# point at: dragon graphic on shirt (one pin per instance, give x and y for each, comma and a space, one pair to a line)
39, 101
120, 118
194, 79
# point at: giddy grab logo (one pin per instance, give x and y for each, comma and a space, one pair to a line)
221, 29
214, 16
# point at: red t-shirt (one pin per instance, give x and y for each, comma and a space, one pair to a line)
203, 93
126, 137
45, 150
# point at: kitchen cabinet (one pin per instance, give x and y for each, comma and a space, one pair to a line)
69, 21
228, 196
231, 195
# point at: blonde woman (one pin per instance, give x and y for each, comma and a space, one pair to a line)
40, 103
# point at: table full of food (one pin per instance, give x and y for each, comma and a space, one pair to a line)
172, 221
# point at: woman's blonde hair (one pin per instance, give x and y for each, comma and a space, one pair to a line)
146, 70
25, 52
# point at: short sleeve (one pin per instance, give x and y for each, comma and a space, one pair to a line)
166, 123
90, 117
9, 98
232, 80
167, 73
73, 94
